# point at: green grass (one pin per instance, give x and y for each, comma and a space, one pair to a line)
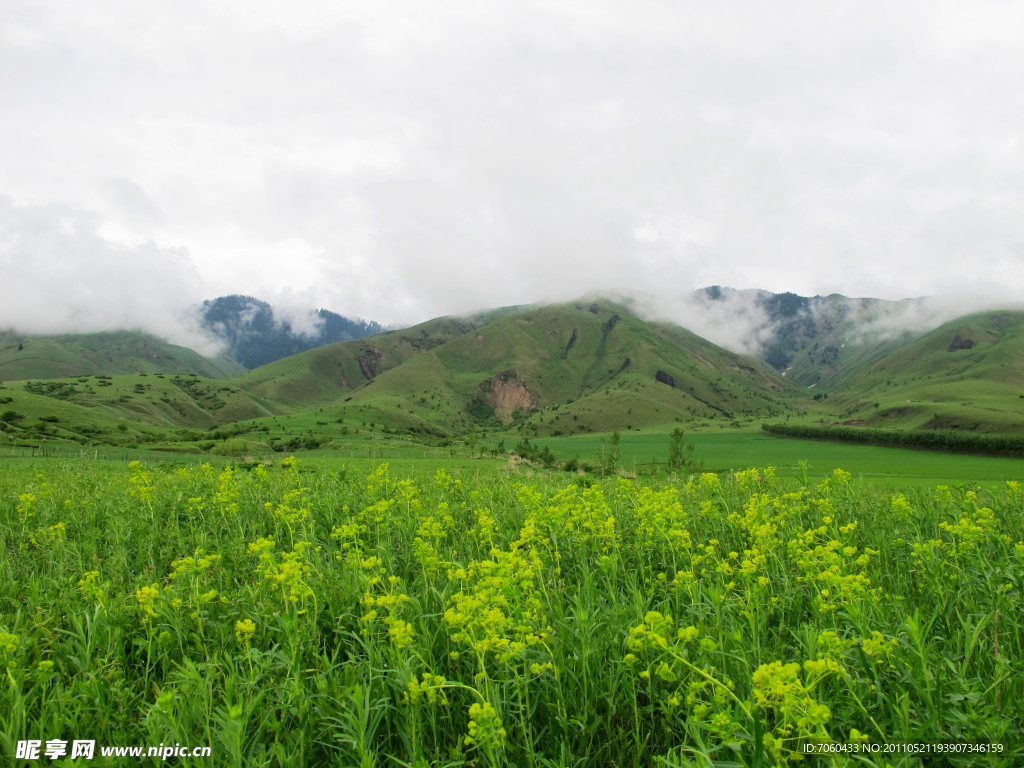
305, 617
123, 352
725, 450
144, 405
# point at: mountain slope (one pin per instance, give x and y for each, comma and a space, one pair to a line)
508, 366
814, 340
123, 352
160, 401
966, 374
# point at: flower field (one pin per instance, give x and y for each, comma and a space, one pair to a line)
298, 618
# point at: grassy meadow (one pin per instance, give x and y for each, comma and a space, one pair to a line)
324, 612
726, 449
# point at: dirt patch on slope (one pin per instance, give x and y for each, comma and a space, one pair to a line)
507, 393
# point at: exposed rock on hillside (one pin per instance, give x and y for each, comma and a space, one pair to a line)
959, 343
507, 393
368, 364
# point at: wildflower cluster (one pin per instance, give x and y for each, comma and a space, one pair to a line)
244, 630
399, 631
833, 565
291, 511
972, 528
8, 648
677, 663
498, 608
90, 587
188, 573
429, 687
288, 571
492, 622
485, 727
140, 484
582, 519
788, 710
45, 538
227, 493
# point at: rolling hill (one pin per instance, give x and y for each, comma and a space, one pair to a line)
533, 370
92, 408
596, 363
966, 374
123, 352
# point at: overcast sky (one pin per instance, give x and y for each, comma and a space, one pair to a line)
401, 160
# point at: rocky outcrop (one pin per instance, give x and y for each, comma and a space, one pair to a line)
343, 379
368, 364
664, 378
507, 393
610, 323
959, 343
367, 368
624, 366
596, 309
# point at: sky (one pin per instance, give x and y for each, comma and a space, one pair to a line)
399, 160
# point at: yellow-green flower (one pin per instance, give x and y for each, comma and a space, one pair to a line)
244, 630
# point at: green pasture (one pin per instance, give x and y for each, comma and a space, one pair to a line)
720, 450
725, 450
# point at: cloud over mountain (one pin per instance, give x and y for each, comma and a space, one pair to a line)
433, 158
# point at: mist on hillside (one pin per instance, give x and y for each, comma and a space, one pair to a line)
749, 322
62, 275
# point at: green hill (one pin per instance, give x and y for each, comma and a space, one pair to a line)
561, 368
92, 408
552, 370
966, 374
123, 352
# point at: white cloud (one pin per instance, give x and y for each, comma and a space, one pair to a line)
60, 275
399, 160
